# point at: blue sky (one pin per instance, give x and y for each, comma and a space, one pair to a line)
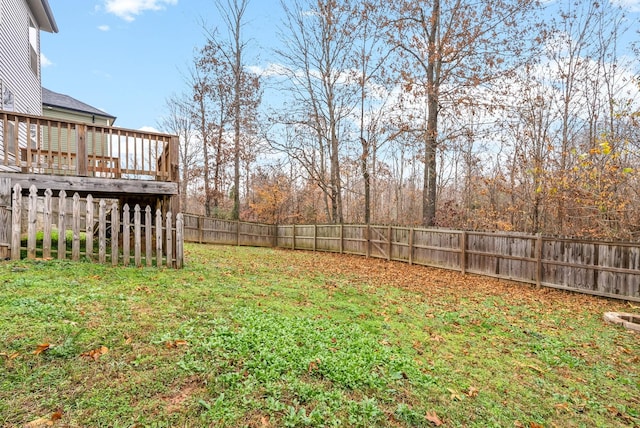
127, 56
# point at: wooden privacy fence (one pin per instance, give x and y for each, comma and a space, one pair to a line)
97, 230
601, 268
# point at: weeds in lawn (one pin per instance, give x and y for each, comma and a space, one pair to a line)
267, 338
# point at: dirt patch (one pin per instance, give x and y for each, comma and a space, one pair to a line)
180, 394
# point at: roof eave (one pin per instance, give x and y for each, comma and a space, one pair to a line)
43, 14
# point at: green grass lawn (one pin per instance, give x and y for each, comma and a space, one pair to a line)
275, 338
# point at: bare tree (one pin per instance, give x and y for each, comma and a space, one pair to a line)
179, 121
319, 48
451, 46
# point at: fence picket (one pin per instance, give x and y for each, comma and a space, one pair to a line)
62, 228
47, 216
75, 244
89, 228
32, 222
16, 221
136, 236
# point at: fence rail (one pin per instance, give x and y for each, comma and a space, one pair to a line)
600, 268
97, 230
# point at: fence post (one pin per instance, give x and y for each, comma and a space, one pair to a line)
32, 216
237, 232
293, 237
539, 260
179, 241
147, 235
16, 219
315, 237
169, 236
126, 234
5, 217
411, 231
463, 252
341, 238
274, 242
200, 229
389, 246
367, 250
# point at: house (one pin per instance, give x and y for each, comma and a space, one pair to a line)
63, 107
55, 142
20, 82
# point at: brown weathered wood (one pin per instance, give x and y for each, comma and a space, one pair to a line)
47, 218
89, 221
97, 186
293, 237
463, 252
115, 234
82, 158
148, 231
411, 232
16, 220
341, 238
169, 238
32, 219
126, 232
389, 243
137, 236
5, 218
179, 241
62, 226
539, 260
158, 238
75, 227
102, 231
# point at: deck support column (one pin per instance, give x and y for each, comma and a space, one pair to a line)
5, 218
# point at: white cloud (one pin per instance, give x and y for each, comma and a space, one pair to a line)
128, 9
630, 5
44, 61
103, 27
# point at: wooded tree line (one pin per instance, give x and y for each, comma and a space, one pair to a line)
499, 114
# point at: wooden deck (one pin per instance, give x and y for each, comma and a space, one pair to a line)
86, 158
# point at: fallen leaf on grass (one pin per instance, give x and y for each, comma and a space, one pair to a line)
11, 356
437, 338
95, 354
127, 339
44, 422
472, 392
560, 407
41, 348
313, 365
433, 418
56, 415
455, 395
171, 344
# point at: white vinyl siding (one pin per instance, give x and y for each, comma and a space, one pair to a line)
16, 57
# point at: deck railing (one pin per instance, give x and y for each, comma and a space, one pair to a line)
40, 145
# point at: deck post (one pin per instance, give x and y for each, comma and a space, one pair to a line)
5, 217
83, 158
